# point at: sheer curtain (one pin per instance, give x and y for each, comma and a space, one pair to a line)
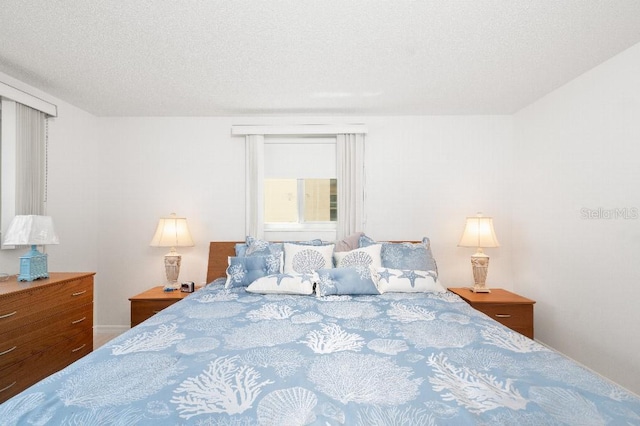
254, 172
350, 172
351, 184
30, 160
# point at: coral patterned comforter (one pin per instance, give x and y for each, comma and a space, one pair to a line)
227, 357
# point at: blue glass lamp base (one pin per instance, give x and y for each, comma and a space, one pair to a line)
33, 266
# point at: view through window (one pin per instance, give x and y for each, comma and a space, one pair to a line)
300, 201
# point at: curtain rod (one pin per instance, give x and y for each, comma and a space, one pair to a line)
20, 96
298, 129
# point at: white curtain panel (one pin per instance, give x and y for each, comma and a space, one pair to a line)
254, 144
30, 161
351, 184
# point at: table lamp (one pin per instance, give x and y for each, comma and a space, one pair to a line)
479, 233
35, 231
172, 232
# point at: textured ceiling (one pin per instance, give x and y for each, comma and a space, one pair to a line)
208, 57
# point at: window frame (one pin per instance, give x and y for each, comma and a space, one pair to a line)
301, 224
254, 140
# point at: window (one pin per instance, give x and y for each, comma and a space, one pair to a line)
300, 201
299, 183
22, 152
303, 153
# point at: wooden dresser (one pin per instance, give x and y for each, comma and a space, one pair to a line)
45, 325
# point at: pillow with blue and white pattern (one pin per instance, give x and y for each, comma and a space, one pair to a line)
365, 256
258, 247
415, 256
350, 280
241, 249
284, 284
301, 259
407, 281
242, 271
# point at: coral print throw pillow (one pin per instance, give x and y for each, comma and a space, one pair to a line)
306, 259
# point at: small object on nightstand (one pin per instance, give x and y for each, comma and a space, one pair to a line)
188, 287
509, 309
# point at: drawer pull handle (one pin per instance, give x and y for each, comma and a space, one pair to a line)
7, 387
8, 315
77, 349
503, 316
79, 293
8, 350
79, 320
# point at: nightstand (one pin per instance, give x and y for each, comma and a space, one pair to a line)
150, 302
510, 309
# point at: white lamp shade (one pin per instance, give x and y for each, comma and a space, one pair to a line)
31, 230
172, 231
478, 232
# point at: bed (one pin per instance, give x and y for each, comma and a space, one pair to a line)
226, 356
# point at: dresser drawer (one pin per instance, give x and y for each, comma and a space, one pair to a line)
22, 342
30, 370
42, 301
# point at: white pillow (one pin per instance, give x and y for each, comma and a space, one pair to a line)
283, 284
408, 281
300, 259
365, 256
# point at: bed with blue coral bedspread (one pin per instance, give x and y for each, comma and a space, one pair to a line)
228, 357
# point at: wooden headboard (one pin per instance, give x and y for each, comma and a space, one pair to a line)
219, 251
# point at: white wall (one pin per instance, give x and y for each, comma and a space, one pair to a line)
424, 186
578, 150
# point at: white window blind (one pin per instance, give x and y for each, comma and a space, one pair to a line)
300, 158
23, 153
30, 160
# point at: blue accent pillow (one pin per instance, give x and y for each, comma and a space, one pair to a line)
258, 247
241, 249
242, 271
406, 256
351, 280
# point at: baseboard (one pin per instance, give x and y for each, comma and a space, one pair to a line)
110, 329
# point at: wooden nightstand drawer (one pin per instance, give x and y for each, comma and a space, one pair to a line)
150, 302
143, 309
509, 315
509, 309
